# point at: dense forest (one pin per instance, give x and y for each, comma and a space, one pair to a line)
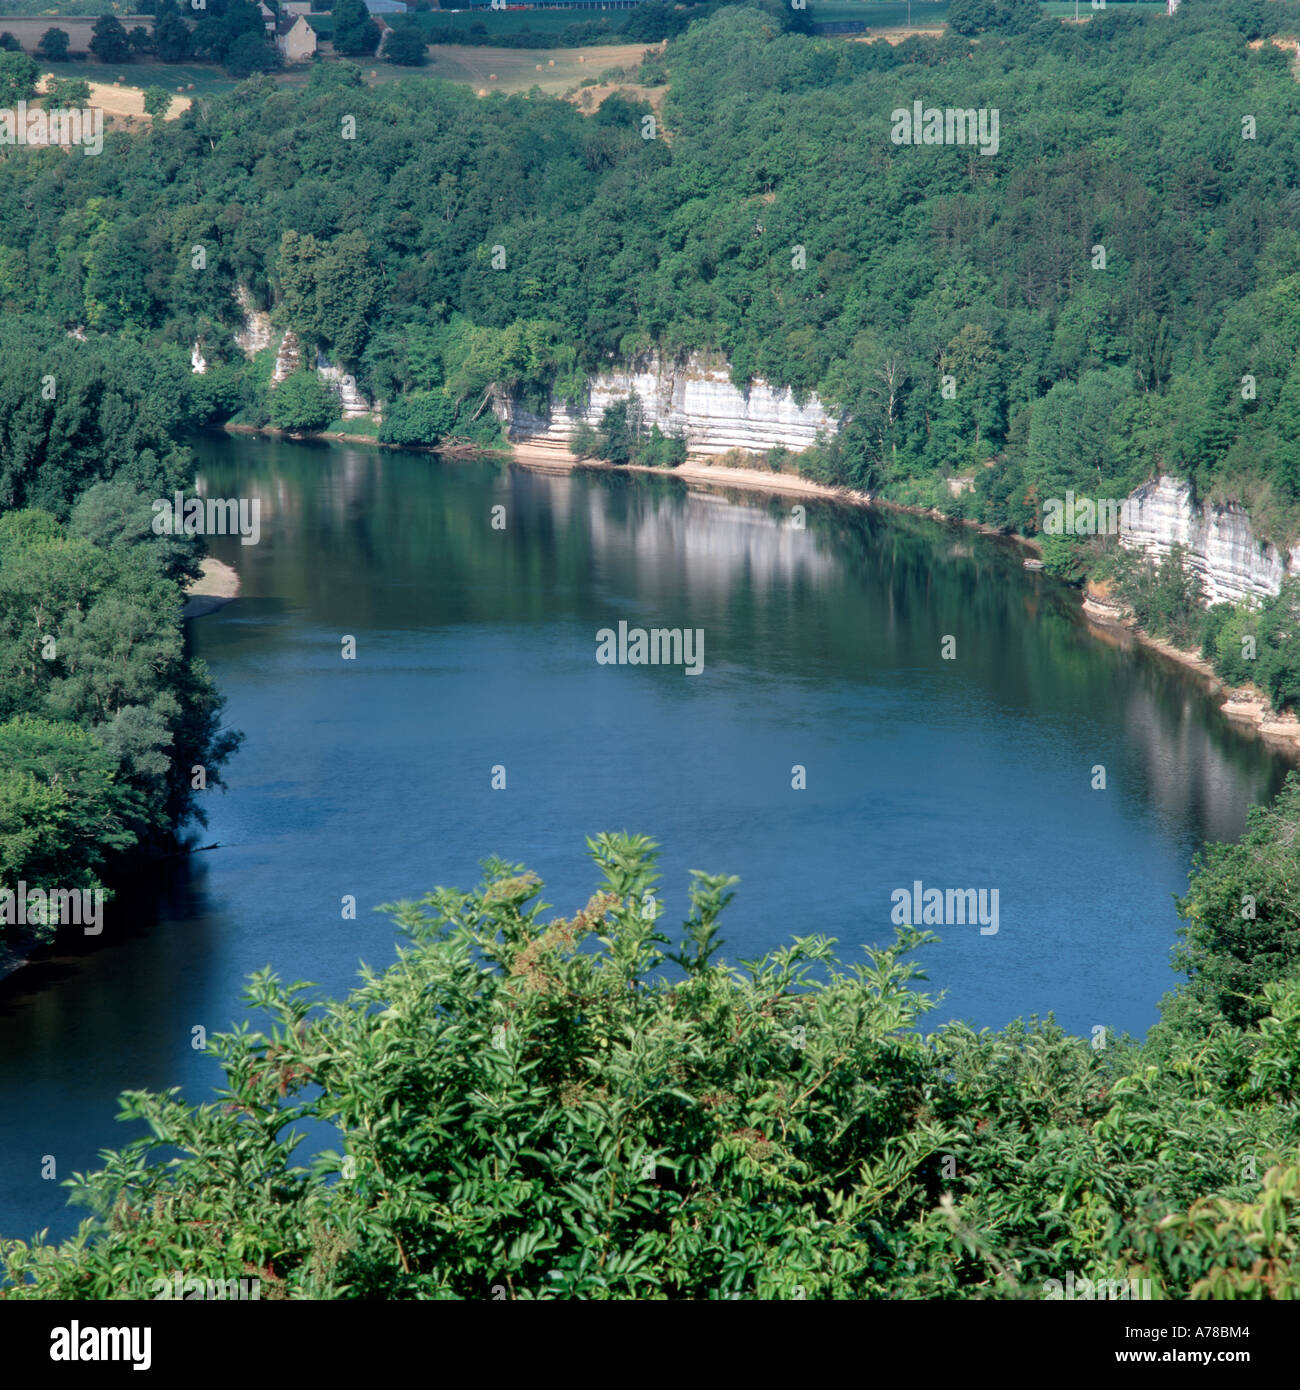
105, 719
1112, 295
1162, 147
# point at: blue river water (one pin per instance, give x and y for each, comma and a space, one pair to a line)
476, 649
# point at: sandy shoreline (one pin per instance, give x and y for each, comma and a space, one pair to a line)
555, 458
214, 588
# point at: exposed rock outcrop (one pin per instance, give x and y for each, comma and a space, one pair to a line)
353, 404
257, 333
288, 359
690, 398
1232, 561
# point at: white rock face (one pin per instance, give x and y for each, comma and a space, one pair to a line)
1231, 560
354, 405
287, 360
257, 333
690, 398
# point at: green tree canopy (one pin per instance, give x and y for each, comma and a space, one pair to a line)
109, 41
53, 45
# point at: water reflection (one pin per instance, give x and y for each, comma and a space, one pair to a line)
476, 647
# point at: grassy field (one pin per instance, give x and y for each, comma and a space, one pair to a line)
506, 22
125, 100
50, 8
197, 79
518, 69
554, 70
928, 13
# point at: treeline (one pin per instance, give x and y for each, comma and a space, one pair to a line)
105, 718
232, 33
650, 22
680, 1128
622, 436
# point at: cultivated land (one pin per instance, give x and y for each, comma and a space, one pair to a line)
28, 30
516, 69
195, 79
122, 101
510, 21
1064, 9
890, 15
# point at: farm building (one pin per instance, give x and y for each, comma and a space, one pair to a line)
295, 38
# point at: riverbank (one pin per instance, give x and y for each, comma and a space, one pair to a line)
216, 586
1244, 705
555, 458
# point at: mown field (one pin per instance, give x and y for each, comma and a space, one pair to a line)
508, 21
194, 79
48, 8
890, 15
1064, 9
125, 99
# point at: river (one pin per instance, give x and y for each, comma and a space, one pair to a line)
476, 648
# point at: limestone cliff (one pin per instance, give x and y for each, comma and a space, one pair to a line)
352, 404
690, 398
258, 333
1221, 546
288, 358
